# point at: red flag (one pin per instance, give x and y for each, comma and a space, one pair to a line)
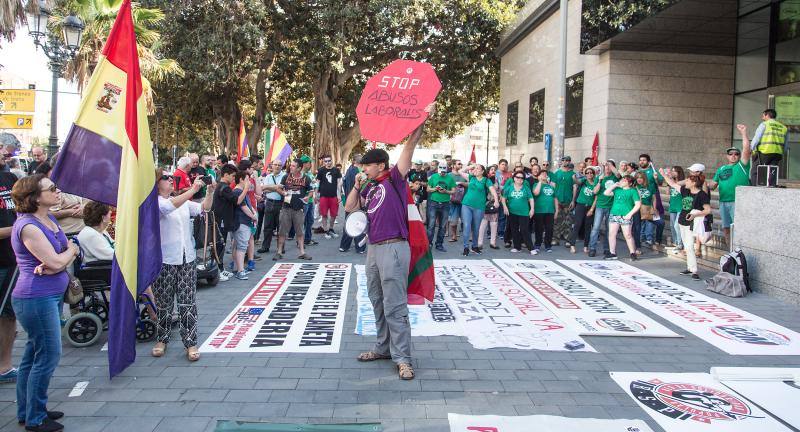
421, 280
595, 148
472, 156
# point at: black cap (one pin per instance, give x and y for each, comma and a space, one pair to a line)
375, 156
244, 164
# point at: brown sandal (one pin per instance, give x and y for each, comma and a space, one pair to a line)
192, 354
405, 371
372, 356
158, 351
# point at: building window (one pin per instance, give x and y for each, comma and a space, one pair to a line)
787, 49
574, 106
511, 126
536, 117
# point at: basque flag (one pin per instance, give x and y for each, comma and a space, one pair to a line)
108, 157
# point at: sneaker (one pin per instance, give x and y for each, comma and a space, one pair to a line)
46, 426
257, 257
362, 252
311, 243
514, 250
466, 252
263, 250
572, 249
634, 257
592, 253
534, 252
223, 278
567, 244
226, 274
51, 415
695, 277
549, 250
318, 230
507, 245
554, 243
251, 265
609, 256
441, 248
686, 272
332, 233
343, 250
241, 276
9, 377
477, 250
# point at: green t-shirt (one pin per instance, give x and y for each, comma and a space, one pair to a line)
606, 202
652, 176
476, 192
543, 203
624, 201
586, 192
675, 200
645, 195
730, 176
443, 181
517, 200
564, 183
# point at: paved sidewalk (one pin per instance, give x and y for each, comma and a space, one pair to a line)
170, 394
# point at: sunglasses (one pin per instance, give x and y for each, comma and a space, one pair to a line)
734, 154
519, 178
52, 188
166, 178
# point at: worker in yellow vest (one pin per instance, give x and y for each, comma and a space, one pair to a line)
769, 142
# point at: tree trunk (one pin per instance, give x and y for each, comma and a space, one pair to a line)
326, 128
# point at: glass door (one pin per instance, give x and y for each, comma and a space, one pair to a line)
786, 102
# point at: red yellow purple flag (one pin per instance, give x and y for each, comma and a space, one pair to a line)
108, 157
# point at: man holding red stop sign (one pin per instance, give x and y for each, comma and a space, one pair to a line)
394, 100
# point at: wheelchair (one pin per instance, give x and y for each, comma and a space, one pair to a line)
90, 316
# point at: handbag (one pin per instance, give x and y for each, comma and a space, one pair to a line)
646, 212
74, 293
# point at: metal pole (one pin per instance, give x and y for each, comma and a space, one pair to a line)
52, 145
488, 133
562, 82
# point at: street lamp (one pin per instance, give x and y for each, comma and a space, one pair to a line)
59, 50
489, 115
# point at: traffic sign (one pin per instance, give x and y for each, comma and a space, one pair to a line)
394, 100
17, 100
16, 121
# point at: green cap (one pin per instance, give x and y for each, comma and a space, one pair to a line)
305, 159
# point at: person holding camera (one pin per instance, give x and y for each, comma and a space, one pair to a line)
440, 187
627, 203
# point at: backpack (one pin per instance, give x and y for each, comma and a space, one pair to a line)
727, 284
735, 263
458, 195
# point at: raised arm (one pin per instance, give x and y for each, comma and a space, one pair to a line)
670, 181
746, 150
404, 163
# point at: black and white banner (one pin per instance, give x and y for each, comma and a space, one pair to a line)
694, 402
726, 327
589, 310
540, 423
295, 308
776, 390
475, 299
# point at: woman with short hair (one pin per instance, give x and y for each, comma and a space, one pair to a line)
95, 242
43, 254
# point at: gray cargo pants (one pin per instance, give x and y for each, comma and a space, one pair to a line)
387, 284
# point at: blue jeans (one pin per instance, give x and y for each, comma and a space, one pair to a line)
636, 229
41, 319
676, 231
647, 232
600, 220
501, 224
659, 224
309, 222
437, 215
472, 218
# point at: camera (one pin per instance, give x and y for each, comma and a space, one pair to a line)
206, 179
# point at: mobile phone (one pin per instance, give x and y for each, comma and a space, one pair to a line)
206, 179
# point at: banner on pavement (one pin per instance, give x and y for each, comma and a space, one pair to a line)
726, 327
588, 310
540, 423
474, 298
776, 390
295, 307
693, 402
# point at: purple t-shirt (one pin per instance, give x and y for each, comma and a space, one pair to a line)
387, 212
30, 285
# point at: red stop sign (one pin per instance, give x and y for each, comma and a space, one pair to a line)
394, 100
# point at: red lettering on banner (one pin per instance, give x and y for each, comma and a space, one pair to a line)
482, 428
551, 294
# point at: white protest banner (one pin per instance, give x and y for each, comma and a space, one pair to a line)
589, 310
295, 308
776, 390
728, 328
540, 423
477, 300
694, 402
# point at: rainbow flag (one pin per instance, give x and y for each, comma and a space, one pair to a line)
243, 150
277, 146
108, 157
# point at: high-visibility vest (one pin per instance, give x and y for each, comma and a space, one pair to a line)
773, 139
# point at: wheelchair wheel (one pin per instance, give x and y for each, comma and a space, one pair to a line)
145, 330
83, 329
98, 308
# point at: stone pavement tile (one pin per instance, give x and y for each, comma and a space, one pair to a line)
402, 411
465, 398
309, 410
204, 395
573, 375
492, 374
509, 364
150, 382
562, 386
301, 373
288, 362
378, 397
335, 396
446, 364
172, 424
275, 384
397, 384
441, 411
112, 395
248, 396
591, 411
534, 375
69, 371
182, 371
485, 355
248, 361
474, 364
171, 409
261, 372
86, 424
216, 409
143, 371
263, 410
526, 410
138, 424
508, 399
124, 409
222, 371
238, 383
164, 395
387, 372
559, 399
317, 384
356, 411
291, 396
625, 412
549, 365
323, 363
522, 386
503, 410
482, 385
427, 425
457, 374
517, 355
184, 382
343, 374
76, 409
422, 398
606, 386
441, 385
599, 399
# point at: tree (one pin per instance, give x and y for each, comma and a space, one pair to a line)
344, 42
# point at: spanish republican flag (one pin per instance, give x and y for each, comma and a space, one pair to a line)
243, 150
108, 157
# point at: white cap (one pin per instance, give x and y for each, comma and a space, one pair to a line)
698, 167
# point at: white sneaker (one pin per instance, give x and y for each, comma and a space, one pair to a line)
226, 274
223, 278
514, 250
534, 252
328, 235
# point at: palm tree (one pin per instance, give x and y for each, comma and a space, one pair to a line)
98, 17
12, 12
